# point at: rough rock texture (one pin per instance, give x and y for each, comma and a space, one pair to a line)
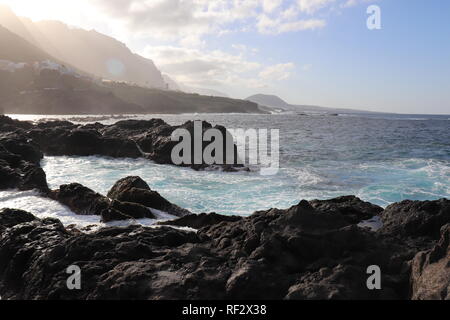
128, 138
430, 275
353, 208
416, 218
75, 141
84, 201
10, 217
136, 190
9, 125
339, 283
149, 139
198, 221
298, 253
20, 163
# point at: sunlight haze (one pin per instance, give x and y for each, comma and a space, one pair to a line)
308, 52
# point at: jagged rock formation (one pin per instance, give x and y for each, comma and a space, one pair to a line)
314, 250
19, 163
129, 138
136, 190
298, 253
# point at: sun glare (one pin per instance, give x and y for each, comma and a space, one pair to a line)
68, 11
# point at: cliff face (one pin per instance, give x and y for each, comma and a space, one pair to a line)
13, 48
95, 53
88, 51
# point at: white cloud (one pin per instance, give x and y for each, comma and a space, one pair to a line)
244, 49
188, 21
352, 3
311, 6
277, 72
271, 5
267, 25
179, 19
196, 67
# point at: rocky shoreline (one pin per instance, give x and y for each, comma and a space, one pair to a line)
314, 250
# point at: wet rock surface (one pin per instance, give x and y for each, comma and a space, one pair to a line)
297, 253
198, 221
149, 139
84, 201
20, 163
313, 250
136, 190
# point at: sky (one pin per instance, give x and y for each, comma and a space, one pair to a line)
311, 52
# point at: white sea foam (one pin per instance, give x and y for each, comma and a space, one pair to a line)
373, 224
320, 157
42, 208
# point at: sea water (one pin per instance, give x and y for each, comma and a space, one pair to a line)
379, 158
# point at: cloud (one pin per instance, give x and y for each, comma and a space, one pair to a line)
311, 6
244, 49
266, 25
197, 67
271, 5
189, 21
352, 3
181, 29
277, 72
194, 67
179, 19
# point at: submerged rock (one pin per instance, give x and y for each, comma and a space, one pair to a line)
136, 190
84, 201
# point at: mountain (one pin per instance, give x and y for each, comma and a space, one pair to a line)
37, 78
88, 51
268, 100
171, 84
272, 101
33, 82
204, 91
96, 53
16, 49
13, 23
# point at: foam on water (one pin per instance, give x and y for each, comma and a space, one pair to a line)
245, 192
47, 208
380, 160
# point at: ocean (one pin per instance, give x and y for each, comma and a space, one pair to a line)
381, 158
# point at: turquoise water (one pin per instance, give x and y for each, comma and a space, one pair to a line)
381, 159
